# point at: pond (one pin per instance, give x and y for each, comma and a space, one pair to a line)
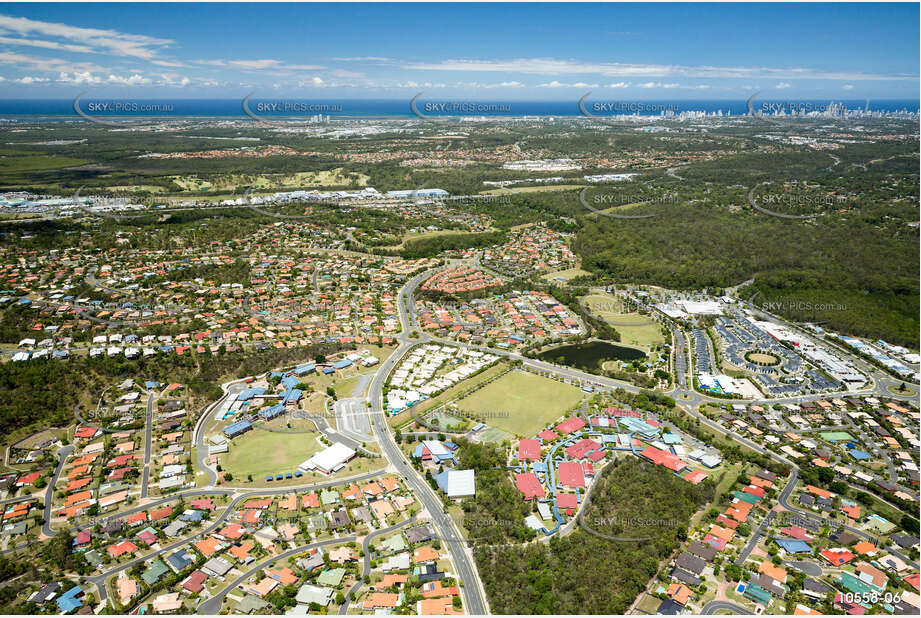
590, 356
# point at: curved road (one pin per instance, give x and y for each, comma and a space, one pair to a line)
715, 606
366, 569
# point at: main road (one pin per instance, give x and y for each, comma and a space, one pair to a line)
445, 527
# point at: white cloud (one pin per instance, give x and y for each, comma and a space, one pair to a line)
782, 85
30, 79
79, 78
552, 66
44, 44
658, 85
131, 80
848, 87
556, 84
264, 64
93, 39
23, 61
168, 63
618, 85
364, 59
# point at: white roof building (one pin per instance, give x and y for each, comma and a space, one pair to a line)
329, 459
461, 484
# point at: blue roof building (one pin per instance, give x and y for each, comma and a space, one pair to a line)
289, 382
442, 480
293, 395
342, 364
250, 393
192, 515
269, 413
305, 369
794, 546
858, 454
71, 600
238, 428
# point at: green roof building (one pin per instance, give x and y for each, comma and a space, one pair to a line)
757, 594
154, 572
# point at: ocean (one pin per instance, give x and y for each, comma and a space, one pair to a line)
428, 106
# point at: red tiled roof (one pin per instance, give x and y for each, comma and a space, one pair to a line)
529, 450
570, 474
570, 425
529, 485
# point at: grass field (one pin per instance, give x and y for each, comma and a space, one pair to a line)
444, 419
649, 604
456, 390
495, 436
635, 329
521, 403
571, 273
261, 453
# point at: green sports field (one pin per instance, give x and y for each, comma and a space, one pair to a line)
836, 436
521, 403
261, 453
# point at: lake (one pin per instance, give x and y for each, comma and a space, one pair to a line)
590, 356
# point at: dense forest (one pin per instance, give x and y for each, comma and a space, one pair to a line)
583, 573
434, 246
867, 285
496, 515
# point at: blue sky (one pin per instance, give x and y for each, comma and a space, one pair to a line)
475, 51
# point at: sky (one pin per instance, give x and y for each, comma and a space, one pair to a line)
475, 52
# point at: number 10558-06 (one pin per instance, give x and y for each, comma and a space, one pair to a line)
871, 597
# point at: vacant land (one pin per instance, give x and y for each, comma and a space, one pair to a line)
568, 274
762, 358
261, 453
232, 182
634, 329
521, 403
